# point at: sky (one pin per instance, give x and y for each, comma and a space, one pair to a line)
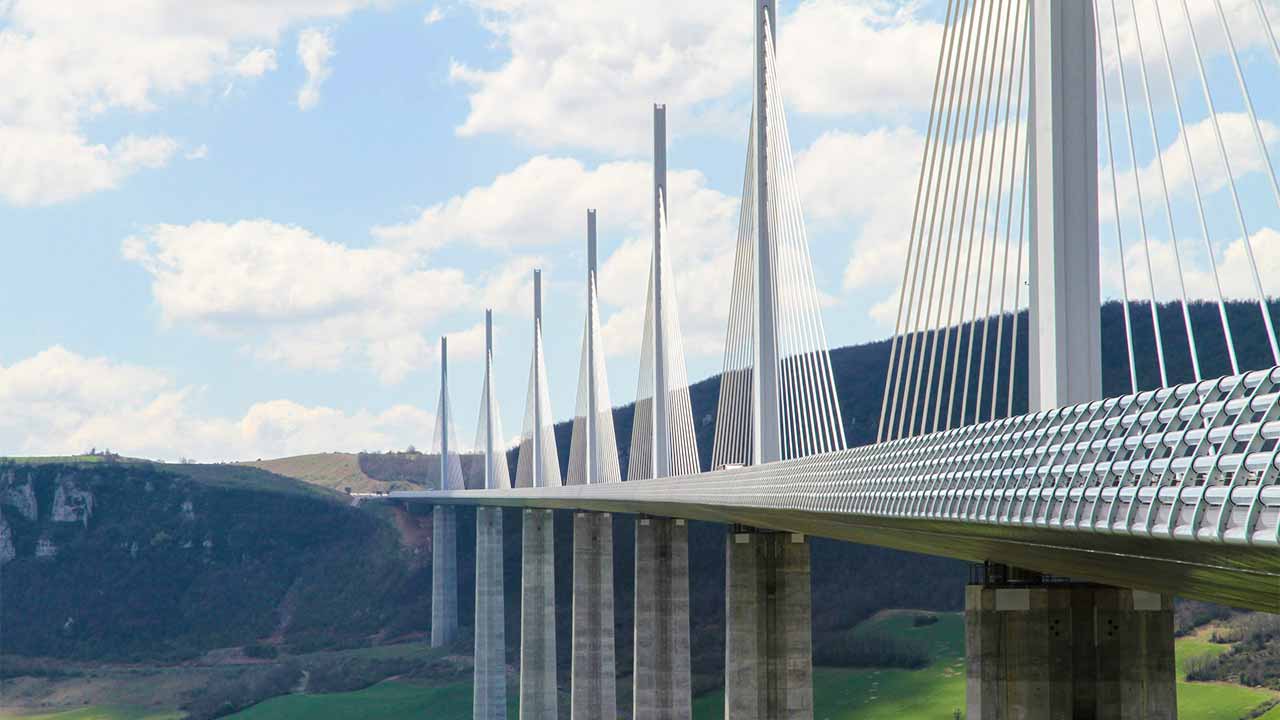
235, 229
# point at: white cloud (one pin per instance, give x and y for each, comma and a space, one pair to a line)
541, 202
60, 402
64, 64
584, 74
1247, 32
293, 297
1233, 269
433, 16
837, 56
1242, 151
198, 153
47, 166
865, 181
315, 50
256, 62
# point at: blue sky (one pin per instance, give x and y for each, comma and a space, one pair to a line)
239, 231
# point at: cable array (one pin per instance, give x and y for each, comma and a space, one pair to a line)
1129, 43
593, 450
445, 445
972, 191
538, 438
489, 429
972, 195
682, 441
809, 412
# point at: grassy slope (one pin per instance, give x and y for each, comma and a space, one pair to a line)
332, 470
1213, 701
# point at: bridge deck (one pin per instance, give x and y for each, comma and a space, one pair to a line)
1172, 490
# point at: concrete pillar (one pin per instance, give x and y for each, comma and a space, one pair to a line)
593, 682
769, 642
539, 699
663, 689
489, 689
1068, 650
444, 576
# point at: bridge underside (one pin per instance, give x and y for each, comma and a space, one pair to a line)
1242, 576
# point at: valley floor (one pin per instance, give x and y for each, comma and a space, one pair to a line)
934, 692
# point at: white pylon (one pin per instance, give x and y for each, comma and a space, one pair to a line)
777, 393
446, 439
539, 462
663, 441
593, 450
489, 437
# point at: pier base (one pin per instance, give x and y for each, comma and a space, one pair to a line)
593, 684
444, 576
769, 637
662, 686
1043, 649
538, 693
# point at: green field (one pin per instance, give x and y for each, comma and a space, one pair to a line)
872, 694
937, 691
932, 693
391, 700
1213, 701
1190, 648
99, 712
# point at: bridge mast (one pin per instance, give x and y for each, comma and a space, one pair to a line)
766, 443
490, 472
1065, 349
592, 454
538, 479
661, 445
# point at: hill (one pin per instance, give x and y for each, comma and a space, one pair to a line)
369, 471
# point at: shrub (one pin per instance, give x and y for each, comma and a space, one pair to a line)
261, 651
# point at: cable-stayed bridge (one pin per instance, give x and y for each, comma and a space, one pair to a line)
1067, 140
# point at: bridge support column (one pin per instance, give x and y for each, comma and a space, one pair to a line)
769, 638
593, 681
663, 689
489, 693
444, 576
539, 697
1068, 650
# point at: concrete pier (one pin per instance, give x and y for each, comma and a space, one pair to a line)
769, 638
593, 690
662, 687
538, 693
444, 576
1068, 650
489, 690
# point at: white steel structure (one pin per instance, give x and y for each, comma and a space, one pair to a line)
1174, 490
1065, 334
